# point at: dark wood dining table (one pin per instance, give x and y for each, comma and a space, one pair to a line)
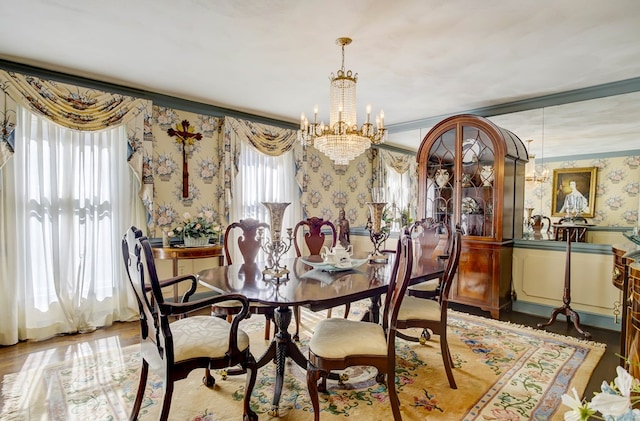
306, 286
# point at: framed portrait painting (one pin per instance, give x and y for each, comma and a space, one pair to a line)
574, 192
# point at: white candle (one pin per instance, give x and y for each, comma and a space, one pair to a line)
368, 112
302, 118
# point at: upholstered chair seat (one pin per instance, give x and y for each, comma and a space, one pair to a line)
339, 338
196, 336
430, 286
414, 308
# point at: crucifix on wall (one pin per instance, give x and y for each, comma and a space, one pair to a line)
186, 137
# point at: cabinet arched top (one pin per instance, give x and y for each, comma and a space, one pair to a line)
507, 144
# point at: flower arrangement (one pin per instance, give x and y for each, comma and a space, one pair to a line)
615, 403
201, 225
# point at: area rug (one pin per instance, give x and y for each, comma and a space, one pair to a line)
503, 372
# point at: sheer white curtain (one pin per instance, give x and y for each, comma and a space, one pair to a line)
263, 178
398, 186
69, 196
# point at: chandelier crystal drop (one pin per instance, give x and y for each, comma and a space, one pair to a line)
341, 140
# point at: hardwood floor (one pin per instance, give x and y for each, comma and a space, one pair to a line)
16, 357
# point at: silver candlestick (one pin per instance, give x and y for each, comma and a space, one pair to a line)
377, 235
276, 246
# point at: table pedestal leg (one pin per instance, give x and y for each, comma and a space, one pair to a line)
279, 349
566, 299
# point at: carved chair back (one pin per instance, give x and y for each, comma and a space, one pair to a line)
248, 243
314, 238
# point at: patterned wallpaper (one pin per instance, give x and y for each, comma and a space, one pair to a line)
325, 187
617, 192
204, 184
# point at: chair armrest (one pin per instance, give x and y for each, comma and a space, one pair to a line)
176, 280
178, 309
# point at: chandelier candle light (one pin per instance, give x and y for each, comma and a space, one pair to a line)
342, 140
275, 247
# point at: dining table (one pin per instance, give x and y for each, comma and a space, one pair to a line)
313, 284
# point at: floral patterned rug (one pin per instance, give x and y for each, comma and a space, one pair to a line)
503, 372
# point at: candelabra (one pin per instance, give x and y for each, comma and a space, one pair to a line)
276, 246
377, 235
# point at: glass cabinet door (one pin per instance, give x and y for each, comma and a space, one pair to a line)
477, 183
440, 195
460, 185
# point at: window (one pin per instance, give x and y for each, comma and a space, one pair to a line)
74, 198
264, 178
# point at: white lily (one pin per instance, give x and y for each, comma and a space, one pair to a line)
579, 410
614, 401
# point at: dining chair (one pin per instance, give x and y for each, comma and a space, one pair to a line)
249, 246
314, 239
432, 241
337, 344
430, 314
187, 343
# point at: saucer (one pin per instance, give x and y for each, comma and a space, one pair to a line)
335, 267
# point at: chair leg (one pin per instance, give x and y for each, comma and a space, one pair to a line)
166, 401
142, 384
394, 399
329, 314
208, 379
251, 369
313, 375
347, 308
446, 359
296, 315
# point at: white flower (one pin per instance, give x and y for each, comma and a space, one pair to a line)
578, 409
615, 401
186, 216
624, 381
610, 404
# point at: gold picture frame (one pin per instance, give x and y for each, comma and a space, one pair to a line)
564, 190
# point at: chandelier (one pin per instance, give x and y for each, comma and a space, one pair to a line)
341, 140
531, 172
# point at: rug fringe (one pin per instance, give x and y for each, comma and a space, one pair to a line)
461, 314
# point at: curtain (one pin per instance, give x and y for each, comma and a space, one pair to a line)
70, 196
80, 108
252, 177
399, 173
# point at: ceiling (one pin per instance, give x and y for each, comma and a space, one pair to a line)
415, 59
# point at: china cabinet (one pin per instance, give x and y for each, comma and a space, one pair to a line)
471, 172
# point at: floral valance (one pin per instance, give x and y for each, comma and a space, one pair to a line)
400, 162
79, 108
269, 140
